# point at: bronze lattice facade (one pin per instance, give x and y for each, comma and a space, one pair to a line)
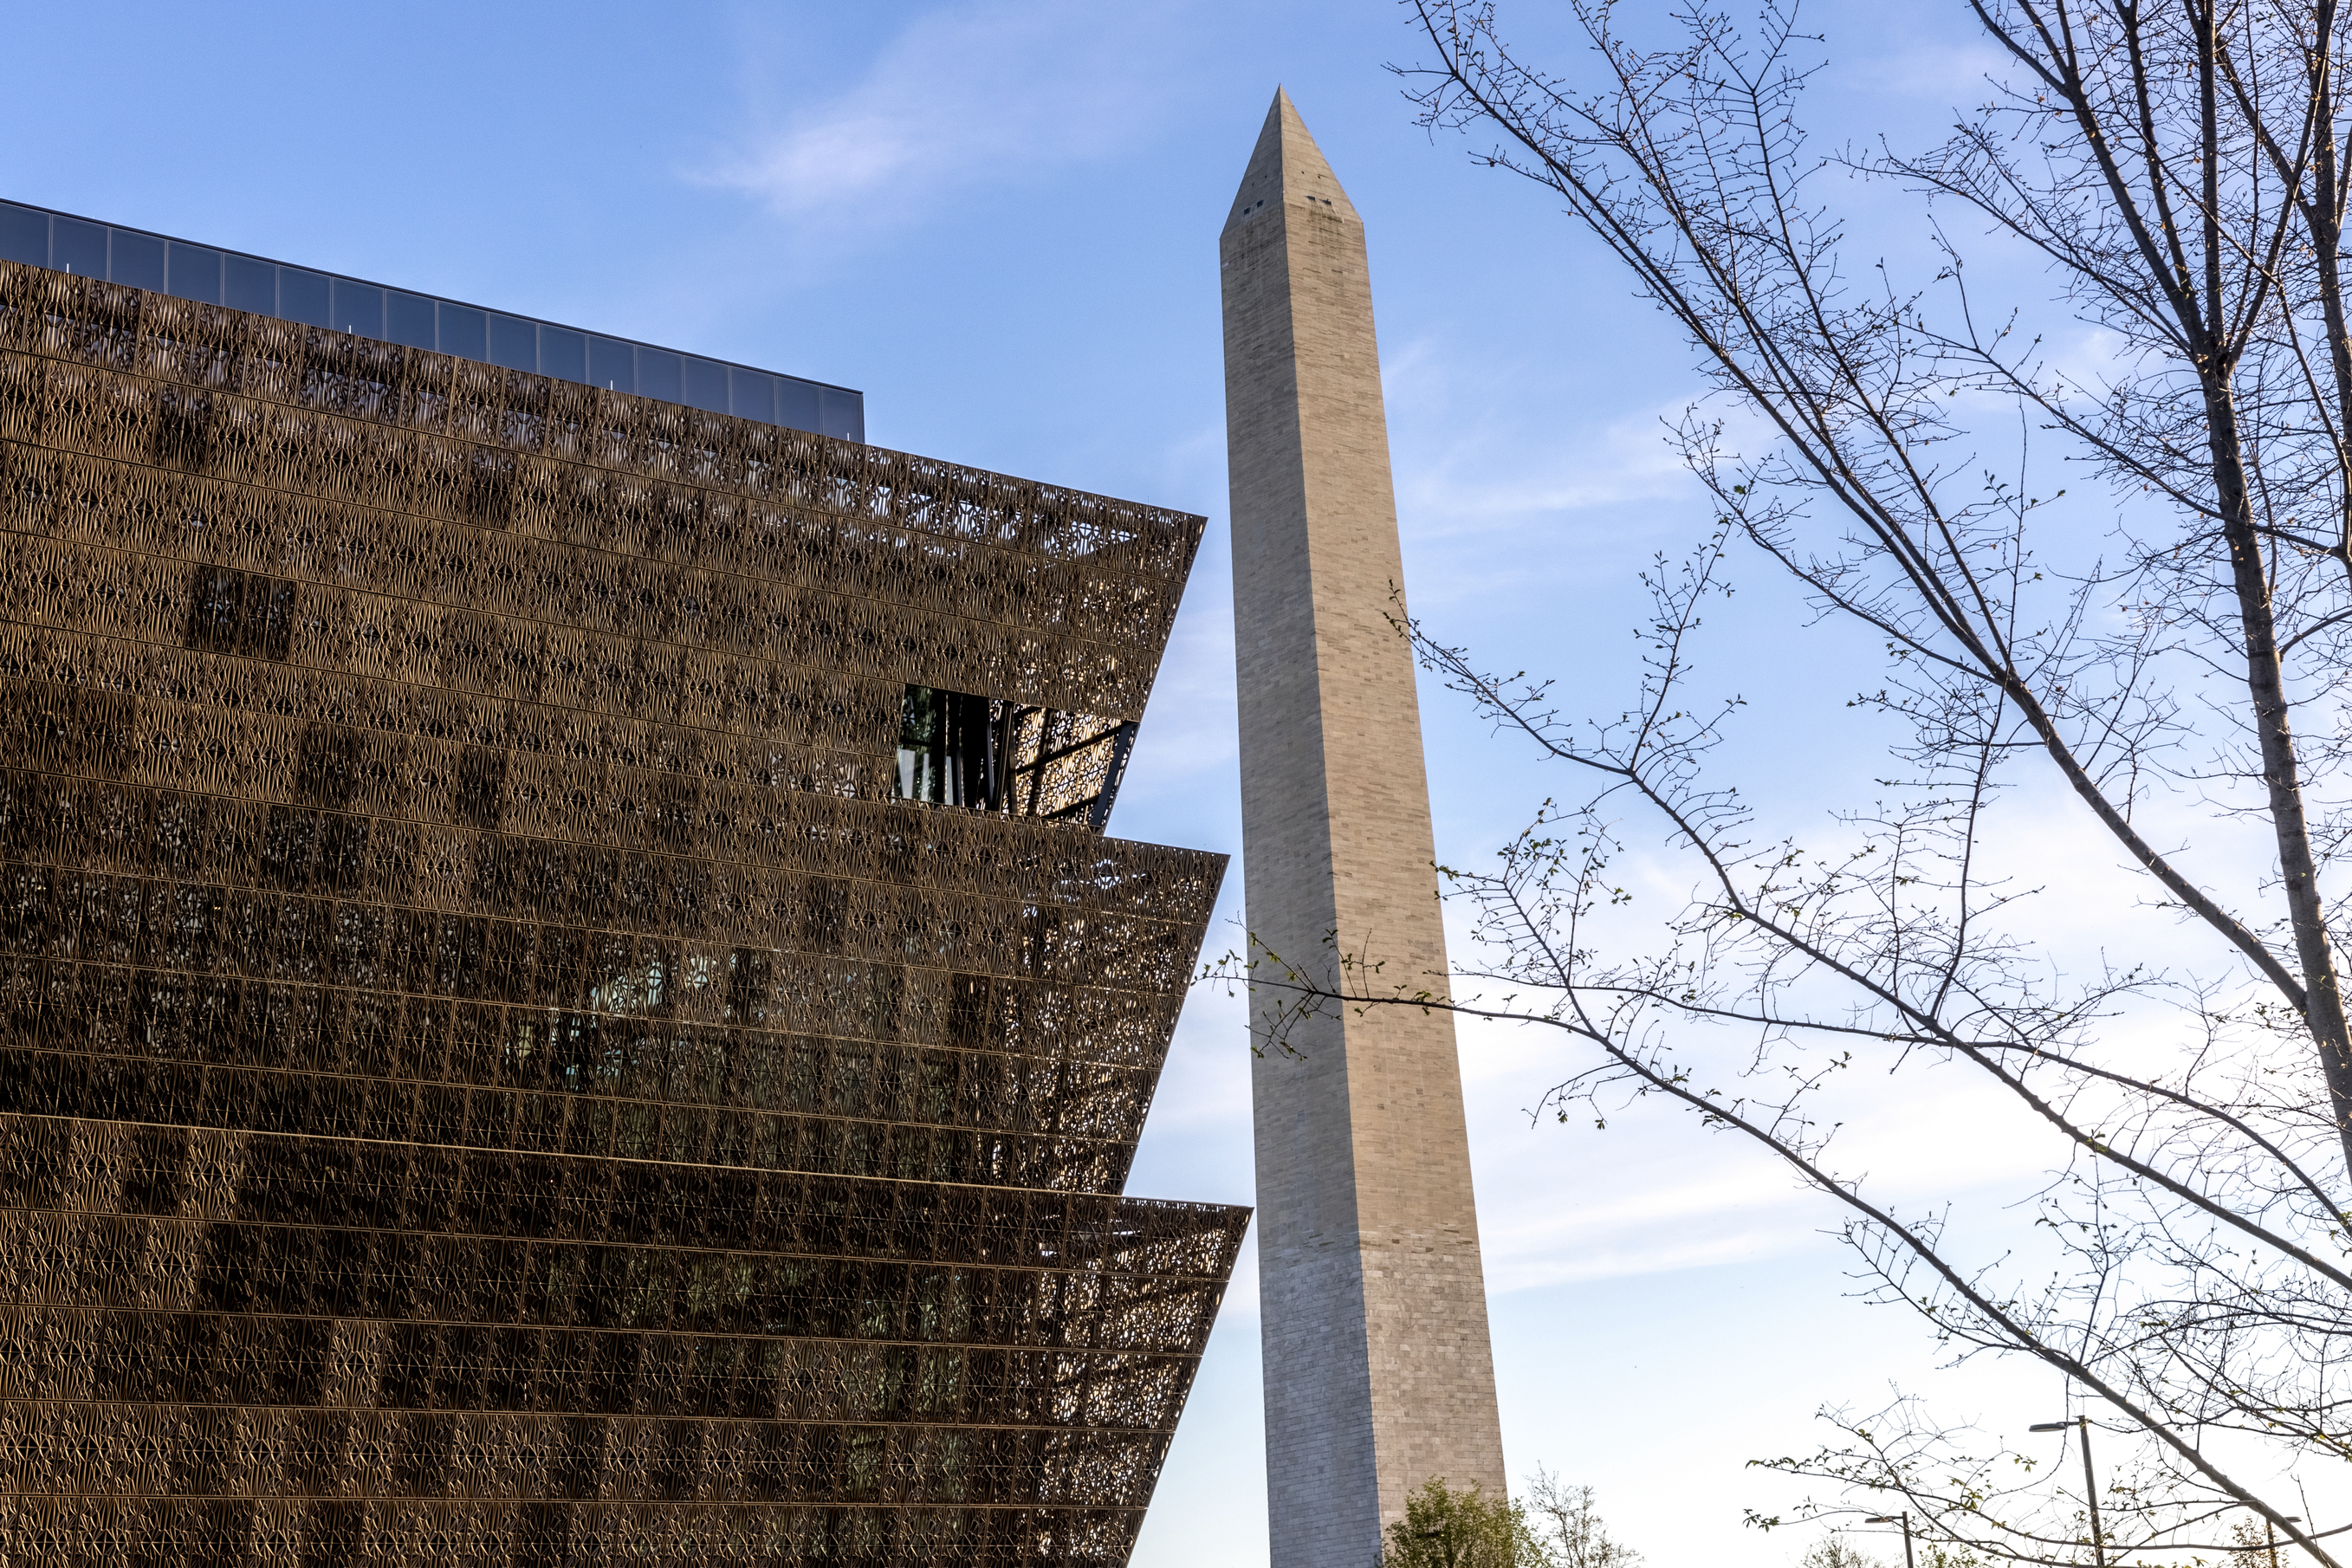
492, 1066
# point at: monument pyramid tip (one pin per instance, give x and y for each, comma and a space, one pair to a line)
1286, 162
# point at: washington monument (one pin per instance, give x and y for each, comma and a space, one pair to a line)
1378, 1372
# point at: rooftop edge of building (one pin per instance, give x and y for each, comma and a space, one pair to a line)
214, 275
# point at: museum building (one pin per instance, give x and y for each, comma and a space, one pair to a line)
564, 992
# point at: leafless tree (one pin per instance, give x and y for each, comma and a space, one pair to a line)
2165, 639
1832, 1552
1567, 1522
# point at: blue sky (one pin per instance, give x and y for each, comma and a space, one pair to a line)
1000, 221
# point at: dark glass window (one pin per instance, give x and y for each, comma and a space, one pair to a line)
252, 285
408, 319
514, 342
797, 404
463, 332
77, 248
302, 296
841, 413
657, 375
563, 353
138, 260
24, 235
950, 747
750, 395
195, 273
706, 384
612, 364
359, 308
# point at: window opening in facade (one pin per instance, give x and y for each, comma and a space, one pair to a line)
991, 753
949, 744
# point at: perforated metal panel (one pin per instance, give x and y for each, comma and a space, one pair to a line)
488, 1071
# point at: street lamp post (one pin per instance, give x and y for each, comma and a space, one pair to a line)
1902, 1519
2090, 1481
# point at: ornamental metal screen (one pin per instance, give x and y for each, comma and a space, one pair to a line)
490, 1071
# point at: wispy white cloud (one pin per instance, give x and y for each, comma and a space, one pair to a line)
951, 104
1469, 460
1655, 1194
1947, 72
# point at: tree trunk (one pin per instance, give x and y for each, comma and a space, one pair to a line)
2282, 775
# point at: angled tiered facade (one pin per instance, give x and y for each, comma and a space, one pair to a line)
562, 993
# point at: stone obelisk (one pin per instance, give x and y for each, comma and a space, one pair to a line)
1378, 1372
